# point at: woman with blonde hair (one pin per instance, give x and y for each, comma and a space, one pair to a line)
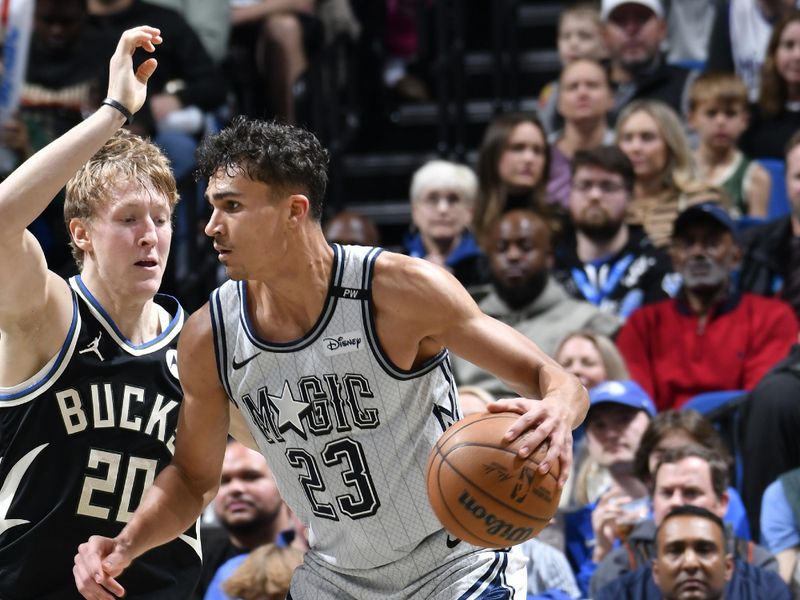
593, 358
265, 574
650, 133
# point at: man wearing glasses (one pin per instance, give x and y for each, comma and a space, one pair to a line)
602, 259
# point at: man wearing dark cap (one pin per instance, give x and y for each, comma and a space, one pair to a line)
710, 337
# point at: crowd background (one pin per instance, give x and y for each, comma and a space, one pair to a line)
618, 180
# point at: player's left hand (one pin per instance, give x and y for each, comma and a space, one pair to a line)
551, 419
98, 562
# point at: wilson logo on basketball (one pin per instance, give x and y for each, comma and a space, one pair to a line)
493, 525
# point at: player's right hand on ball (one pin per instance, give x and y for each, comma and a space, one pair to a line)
97, 563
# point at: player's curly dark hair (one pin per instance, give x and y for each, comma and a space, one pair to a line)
287, 158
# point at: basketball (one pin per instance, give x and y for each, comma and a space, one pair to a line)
482, 491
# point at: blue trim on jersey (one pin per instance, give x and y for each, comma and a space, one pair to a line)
107, 318
218, 331
368, 315
498, 588
59, 360
316, 330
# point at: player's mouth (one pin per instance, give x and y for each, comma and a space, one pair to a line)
147, 264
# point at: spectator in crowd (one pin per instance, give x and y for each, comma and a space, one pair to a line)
710, 337
442, 204
691, 557
652, 137
718, 112
690, 475
780, 525
689, 24
678, 428
635, 31
524, 295
549, 574
770, 420
619, 413
771, 262
250, 512
584, 100
749, 23
277, 39
210, 19
607, 262
513, 162
351, 228
593, 358
580, 35
777, 113
264, 575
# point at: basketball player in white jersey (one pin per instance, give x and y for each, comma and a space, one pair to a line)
334, 361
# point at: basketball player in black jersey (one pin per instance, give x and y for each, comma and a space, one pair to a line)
334, 359
89, 393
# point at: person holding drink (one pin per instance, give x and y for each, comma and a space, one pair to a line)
619, 413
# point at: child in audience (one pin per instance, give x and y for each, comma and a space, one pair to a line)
579, 36
718, 113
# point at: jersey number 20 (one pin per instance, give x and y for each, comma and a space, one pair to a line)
139, 474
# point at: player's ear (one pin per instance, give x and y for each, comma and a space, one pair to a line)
80, 234
299, 207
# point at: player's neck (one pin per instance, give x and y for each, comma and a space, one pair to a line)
136, 316
286, 303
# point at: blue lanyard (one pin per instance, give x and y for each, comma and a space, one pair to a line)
596, 294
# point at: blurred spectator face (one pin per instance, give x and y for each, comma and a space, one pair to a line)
583, 92
519, 256
441, 213
704, 254
787, 55
597, 202
613, 433
522, 161
580, 36
691, 561
634, 34
58, 23
580, 357
641, 141
248, 496
793, 179
351, 228
674, 439
687, 481
718, 125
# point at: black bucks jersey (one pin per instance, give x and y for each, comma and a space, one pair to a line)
80, 442
346, 432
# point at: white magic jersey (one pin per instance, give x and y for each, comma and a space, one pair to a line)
346, 433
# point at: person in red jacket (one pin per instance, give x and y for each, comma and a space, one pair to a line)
710, 337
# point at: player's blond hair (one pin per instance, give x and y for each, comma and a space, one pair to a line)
125, 157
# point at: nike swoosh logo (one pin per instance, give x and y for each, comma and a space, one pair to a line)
9, 488
238, 365
452, 542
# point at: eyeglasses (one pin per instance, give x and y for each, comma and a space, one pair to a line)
584, 186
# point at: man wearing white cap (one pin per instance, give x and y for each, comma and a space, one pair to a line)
634, 31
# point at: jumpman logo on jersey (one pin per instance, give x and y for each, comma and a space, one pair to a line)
93, 347
9, 487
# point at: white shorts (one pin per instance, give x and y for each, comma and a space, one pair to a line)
432, 571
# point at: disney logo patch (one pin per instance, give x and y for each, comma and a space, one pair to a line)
346, 342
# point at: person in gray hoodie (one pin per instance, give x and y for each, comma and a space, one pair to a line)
525, 296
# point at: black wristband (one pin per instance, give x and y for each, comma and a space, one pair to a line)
125, 112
